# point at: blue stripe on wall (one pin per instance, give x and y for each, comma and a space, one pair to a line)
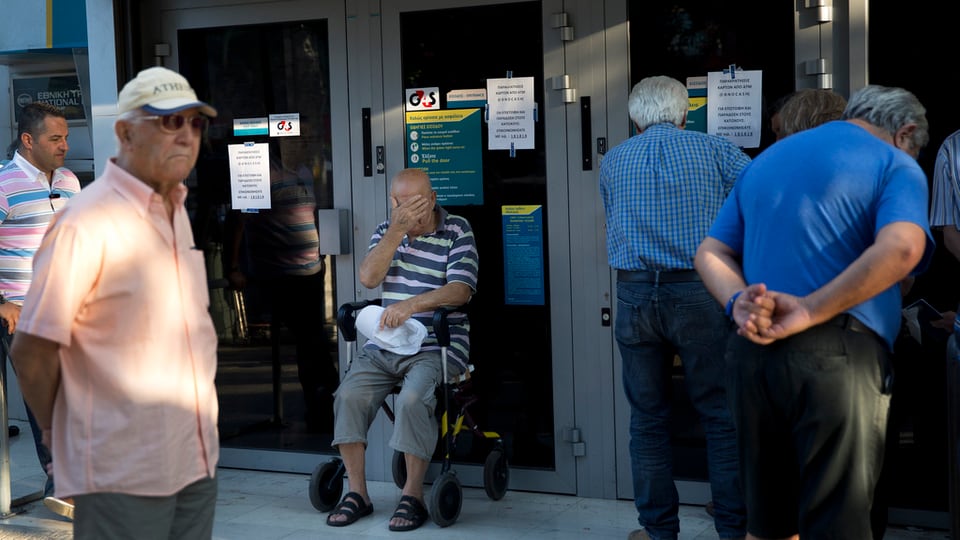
69, 23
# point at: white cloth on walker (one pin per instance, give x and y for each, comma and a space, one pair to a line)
404, 339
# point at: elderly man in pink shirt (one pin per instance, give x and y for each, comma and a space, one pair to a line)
115, 349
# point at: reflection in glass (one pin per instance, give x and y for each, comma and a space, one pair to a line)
271, 293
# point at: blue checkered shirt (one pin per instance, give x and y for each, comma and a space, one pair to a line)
661, 191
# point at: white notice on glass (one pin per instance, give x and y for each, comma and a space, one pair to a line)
733, 106
249, 176
511, 107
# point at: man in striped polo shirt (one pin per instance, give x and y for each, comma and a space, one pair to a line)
423, 258
33, 185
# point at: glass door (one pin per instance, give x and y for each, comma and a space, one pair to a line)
464, 54
273, 253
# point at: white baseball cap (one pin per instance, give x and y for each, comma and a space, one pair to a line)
159, 90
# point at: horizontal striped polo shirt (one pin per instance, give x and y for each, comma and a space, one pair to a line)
427, 263
284, 240
27, 204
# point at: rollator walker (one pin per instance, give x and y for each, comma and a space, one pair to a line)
446, 494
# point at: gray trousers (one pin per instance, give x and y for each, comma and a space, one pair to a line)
185, 515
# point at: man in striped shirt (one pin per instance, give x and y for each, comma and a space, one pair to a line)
33, 185
945, 204
423, 258
945, 198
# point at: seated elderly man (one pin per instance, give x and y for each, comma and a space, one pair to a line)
424, 258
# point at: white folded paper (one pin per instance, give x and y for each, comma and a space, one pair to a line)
404, 339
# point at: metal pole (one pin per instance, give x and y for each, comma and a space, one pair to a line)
4, 444
6, 502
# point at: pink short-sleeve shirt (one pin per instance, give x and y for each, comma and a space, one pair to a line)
125, 294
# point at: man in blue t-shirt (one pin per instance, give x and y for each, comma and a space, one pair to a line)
807, 254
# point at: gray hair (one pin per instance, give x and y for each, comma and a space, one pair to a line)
125, 116
131, 114
889, 108
809, 108
659, 99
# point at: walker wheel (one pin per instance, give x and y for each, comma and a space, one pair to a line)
326, 485
399, 469
496, 474
446, 499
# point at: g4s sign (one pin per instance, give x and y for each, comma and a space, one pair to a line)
421, 99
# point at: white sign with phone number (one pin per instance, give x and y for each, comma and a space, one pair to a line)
511, 108
733, 105
249, 176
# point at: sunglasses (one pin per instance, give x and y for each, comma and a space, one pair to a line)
171, 123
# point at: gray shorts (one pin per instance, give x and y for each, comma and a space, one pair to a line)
369, 380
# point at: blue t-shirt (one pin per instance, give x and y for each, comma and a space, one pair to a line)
811, 204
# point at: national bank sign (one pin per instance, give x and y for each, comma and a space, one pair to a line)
62, 91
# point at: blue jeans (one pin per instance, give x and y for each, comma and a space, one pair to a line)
43, 453
654, 323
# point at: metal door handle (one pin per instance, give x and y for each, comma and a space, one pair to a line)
367, 145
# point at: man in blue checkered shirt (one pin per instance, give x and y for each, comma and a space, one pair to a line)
661, 190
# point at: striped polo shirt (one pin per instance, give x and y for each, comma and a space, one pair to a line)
427, 263
284, 240
27, 204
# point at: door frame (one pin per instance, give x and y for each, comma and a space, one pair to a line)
552, 111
